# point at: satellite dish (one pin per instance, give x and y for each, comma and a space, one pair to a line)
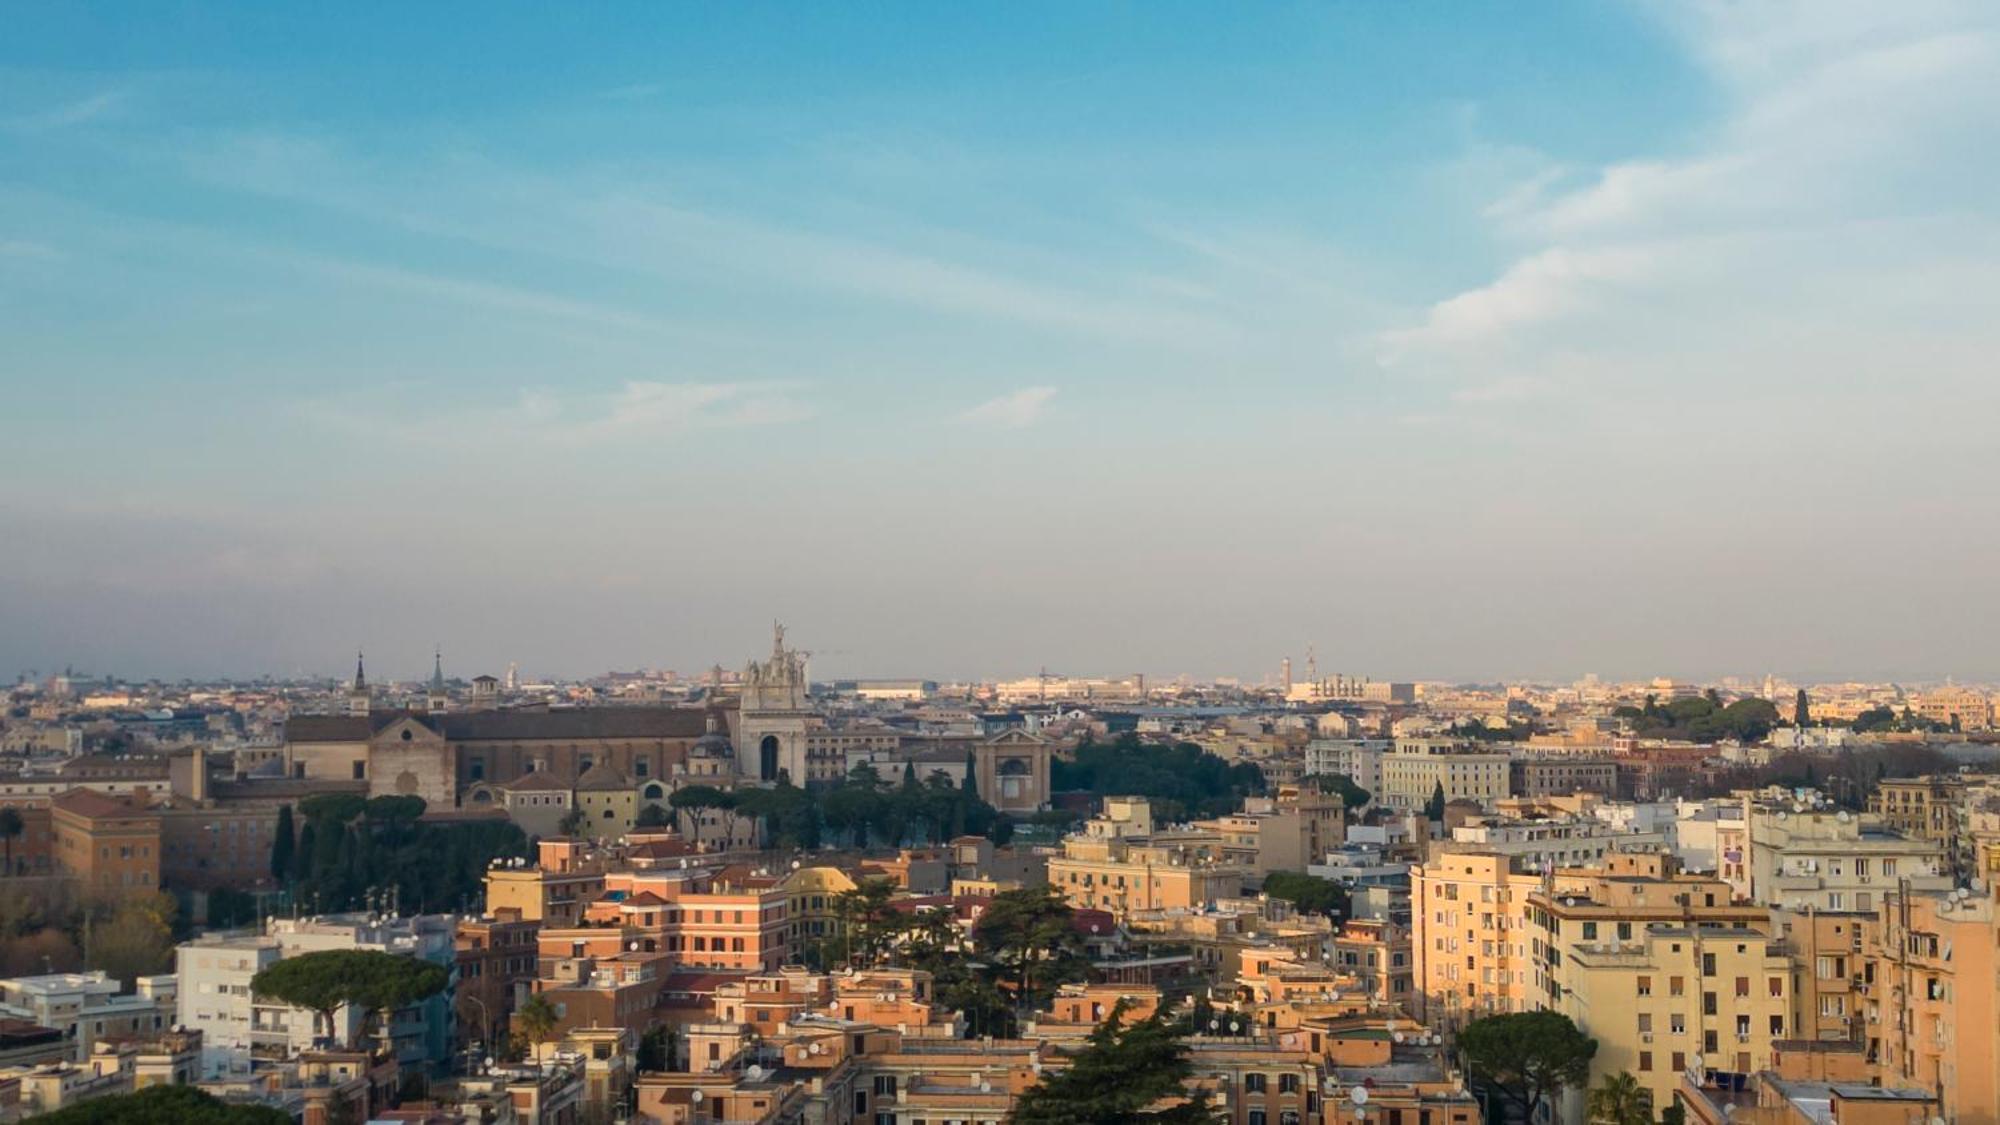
1358, 1095
754, 1072
985, 1087
695, 1097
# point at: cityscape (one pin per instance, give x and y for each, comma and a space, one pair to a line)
1075, 563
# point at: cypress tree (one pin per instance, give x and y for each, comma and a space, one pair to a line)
910, 775
971, 785
282, 846
302, 856
1435, 809
1801, 710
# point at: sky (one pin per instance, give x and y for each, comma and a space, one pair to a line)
1454, 340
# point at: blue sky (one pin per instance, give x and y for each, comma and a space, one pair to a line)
1457, 339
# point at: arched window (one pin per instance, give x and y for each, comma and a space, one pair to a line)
767, 758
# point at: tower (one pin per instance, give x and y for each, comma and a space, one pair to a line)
357, 692
775, 710
437, 699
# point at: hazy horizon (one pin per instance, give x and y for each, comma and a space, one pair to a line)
1630, 338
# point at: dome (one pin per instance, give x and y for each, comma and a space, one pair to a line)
713, 744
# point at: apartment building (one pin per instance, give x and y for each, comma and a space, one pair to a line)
1933, 1015
1673, 994
1924, 808
1801, 856
1127, 876
1357, 759
1471, 939
1419, 767
88, 1006
1555, 775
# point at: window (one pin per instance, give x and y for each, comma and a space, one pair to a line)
1742, 986
1645, 1023
1708, 964
1288, 1083
1680, 1061
1645, 1060
1257, 1117
1708, 1004
1253, 1083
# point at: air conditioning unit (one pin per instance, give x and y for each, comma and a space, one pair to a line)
1645, 1037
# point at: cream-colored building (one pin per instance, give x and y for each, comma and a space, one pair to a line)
1418, 767
1803, 857
1470, 936
1933, 1010
1126, 876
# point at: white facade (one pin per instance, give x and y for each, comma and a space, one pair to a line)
1359, 759
84, 1006
215, 971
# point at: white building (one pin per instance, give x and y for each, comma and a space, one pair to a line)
1545, 844
84, 1006
1804, 857
215, 971
1359, 759
1419, 767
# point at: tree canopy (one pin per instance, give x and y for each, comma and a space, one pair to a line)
325, 981
350, 846
1619, 1099
1342, 786
1526, 1057
1182, 780
1702, 718
163, 1105
1124, 1073
1309, 893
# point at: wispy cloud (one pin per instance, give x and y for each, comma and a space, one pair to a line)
1838, 167
1013, 410
71, 114
636, 410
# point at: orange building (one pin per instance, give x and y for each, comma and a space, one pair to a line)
106, 843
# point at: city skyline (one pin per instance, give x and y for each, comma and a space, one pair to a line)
1637, 339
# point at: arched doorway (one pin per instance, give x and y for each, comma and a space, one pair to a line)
767, 758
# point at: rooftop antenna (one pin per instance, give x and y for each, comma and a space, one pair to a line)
1312, 665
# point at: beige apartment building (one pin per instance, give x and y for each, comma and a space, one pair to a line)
1412, 774
1470, 937
1661, 967
1957, 708
1673, 994
1824, 859
1933, 1017
1129, 875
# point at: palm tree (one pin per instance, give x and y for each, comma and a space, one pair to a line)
1620, 1100
11, 826
536, 1020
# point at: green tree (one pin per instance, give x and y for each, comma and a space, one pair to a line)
1526, 1057
1028, 936
1341, 785
323, 982
1121, 1074
572, 823
302, 855
971, 786
1309, 893
136, 939
1801, 710
1619, 1099
163, 1105
654, 816
536, 1020
1434, 808
282, 845
11, 826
